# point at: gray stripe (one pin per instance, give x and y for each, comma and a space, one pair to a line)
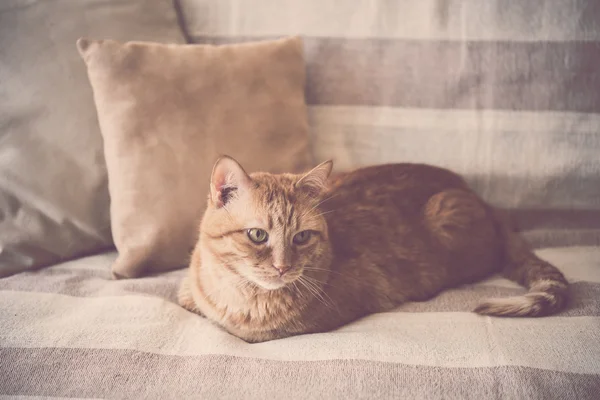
553, 219
561, 76
563, 237
585, 297
130, 374
551, 228
561, 178
93, 283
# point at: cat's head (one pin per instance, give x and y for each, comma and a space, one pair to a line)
267, 228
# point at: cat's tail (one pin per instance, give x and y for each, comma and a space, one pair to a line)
548, 288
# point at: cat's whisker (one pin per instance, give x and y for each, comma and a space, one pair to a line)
316, 291
312, 292
324, 301
345, 275
320, 283
307, 212
297, 289
325, 213
319, 287
315, 279
321, 202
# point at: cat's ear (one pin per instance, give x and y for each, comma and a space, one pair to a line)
228, 178
315, 181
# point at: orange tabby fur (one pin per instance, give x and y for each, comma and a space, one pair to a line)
383, 235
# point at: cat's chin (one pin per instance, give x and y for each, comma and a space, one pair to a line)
271, 284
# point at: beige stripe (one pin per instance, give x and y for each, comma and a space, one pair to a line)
559, 20
127, 374
577, 263
22, 389
436, 339
470, 120
476, 145
28, 390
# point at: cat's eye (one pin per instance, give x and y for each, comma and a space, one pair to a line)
258, 236
302, 237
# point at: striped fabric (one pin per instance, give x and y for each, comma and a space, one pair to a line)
69, 330
506, 92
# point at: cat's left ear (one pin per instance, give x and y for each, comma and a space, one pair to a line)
315, 181
228, 178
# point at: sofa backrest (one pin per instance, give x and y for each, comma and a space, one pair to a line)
504, 92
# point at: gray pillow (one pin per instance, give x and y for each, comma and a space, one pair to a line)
54, 201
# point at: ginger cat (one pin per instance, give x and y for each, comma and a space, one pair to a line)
282, 255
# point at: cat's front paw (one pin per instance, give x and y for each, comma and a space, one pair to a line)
185, 298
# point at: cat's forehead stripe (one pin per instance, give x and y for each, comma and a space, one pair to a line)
290, 215
280, 206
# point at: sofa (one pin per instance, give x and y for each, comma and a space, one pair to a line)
504, 92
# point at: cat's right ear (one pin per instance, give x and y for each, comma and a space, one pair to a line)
227, 180
314, 182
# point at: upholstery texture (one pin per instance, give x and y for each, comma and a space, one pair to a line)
72, 331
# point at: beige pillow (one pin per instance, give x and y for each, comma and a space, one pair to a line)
167, 112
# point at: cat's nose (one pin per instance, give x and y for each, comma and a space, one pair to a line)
282, 268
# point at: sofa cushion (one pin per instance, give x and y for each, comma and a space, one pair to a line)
54, 201
167, 112
133, 340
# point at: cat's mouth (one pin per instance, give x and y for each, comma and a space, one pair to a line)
276, 282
